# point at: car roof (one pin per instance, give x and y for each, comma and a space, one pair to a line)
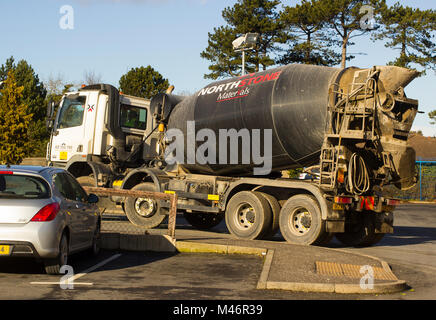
26, 169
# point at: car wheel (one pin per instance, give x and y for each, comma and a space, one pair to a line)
53, 266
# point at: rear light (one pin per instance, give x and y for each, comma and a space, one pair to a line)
47, 213
341, 176
6, 172
392, 202
343, 200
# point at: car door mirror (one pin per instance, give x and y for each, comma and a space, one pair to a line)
92, 198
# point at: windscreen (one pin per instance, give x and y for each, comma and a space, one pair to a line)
13, 186
72, 111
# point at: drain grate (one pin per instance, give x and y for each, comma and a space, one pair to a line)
351, 271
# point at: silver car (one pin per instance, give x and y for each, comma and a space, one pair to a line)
46, 214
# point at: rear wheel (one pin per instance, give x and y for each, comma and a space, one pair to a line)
275, 211
203, 221
95, 247
248, 215
144, 212
301, 221
360, 233
53, 266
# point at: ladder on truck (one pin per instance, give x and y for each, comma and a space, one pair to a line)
348, 119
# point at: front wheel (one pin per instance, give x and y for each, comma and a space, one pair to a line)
144, 212
301, 221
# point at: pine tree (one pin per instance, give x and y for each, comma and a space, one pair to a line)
345, 20
307, 35
411, 32
14, 122
246, 16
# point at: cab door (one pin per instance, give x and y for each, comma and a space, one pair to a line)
69, 132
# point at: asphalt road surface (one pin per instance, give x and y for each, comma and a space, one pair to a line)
411, 251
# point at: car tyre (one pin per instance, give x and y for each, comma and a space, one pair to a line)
53, 266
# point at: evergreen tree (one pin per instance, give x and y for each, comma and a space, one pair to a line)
411, 32
33, 95
246, 16
14, 122
345, 19
143, 82
225, 61
310, 42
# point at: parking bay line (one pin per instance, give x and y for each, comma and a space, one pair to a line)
84, 273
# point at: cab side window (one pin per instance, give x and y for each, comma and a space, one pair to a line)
133, 117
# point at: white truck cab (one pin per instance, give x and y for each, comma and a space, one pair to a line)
96, 126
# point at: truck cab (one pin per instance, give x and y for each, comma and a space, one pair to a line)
98, 129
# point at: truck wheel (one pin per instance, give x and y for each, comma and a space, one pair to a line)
203, 221
144, 212
275, 210
301, 221
360, 233
53, 266
248, 215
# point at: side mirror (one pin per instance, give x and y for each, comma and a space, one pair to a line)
92, 198
50, 109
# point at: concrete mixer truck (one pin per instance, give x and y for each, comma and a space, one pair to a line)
223, 150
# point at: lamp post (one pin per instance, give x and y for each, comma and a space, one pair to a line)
246, 42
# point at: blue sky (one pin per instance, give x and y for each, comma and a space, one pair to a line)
112, 36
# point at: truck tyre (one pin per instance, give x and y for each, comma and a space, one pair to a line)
53, 266
203, 221
275, 211
144, 212
248, 215
360, 233
301, 221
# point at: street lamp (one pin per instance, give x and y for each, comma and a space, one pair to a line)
246, 42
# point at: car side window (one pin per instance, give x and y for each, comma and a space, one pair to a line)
61, 183
80, 194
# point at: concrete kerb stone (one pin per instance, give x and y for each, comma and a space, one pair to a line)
379, 288
137, 242
187, 246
